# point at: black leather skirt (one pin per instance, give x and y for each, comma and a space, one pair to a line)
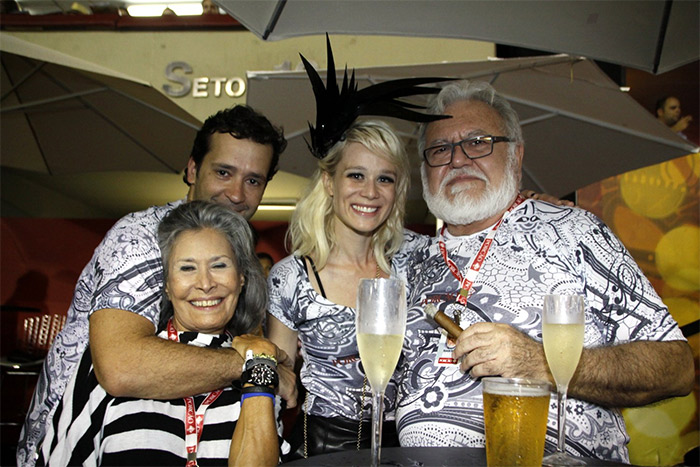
325, 435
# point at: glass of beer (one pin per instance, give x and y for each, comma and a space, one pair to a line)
515, 420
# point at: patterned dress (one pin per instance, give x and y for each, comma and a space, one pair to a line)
538, 249
125, 273
331, 371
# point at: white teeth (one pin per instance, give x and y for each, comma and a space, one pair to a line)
206, 302
364, 208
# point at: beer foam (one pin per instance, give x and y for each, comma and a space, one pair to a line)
514, 387
521, 391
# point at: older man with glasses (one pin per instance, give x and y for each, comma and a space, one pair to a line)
489, 268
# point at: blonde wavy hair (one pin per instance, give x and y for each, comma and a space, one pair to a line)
311, 230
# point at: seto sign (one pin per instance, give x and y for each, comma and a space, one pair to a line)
202, 86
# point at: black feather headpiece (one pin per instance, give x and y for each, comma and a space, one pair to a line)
337, 109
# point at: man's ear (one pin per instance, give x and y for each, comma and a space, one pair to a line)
519, 152
191, 171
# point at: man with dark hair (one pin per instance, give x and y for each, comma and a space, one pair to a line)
242, 131
490, 267
234, 155
668, 112
241, 122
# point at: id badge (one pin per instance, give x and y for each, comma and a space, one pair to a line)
444, 353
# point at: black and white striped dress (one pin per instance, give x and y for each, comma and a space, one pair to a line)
91, 427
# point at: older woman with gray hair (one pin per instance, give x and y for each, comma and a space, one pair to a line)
216, 297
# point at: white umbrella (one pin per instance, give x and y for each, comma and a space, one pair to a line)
651, 35
60, 114
578, 126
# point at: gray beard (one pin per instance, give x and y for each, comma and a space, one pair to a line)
465, 209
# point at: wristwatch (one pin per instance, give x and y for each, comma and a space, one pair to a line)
260, 370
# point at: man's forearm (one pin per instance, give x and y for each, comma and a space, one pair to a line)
159, 369
131, 361
633, 374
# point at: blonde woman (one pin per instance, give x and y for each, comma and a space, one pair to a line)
347, 226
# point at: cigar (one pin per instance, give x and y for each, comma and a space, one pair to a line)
444, 321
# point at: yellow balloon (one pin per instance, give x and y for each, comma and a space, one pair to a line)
659, 432
678, 257
636, 232
655, 191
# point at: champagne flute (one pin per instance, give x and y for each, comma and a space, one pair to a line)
381, 324
562, 336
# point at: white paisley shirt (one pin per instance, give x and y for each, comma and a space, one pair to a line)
125, 273
331, 371
538, 249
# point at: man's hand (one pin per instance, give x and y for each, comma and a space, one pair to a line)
624, 375
545, 197
258, 344
682, 123
494, 349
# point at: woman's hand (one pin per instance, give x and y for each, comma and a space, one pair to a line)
285, 366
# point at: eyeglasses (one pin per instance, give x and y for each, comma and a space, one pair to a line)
475, 147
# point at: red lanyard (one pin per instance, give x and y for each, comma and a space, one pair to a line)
194, 420
469, 278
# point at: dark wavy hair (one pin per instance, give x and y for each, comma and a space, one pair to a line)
199, 215
241, 122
